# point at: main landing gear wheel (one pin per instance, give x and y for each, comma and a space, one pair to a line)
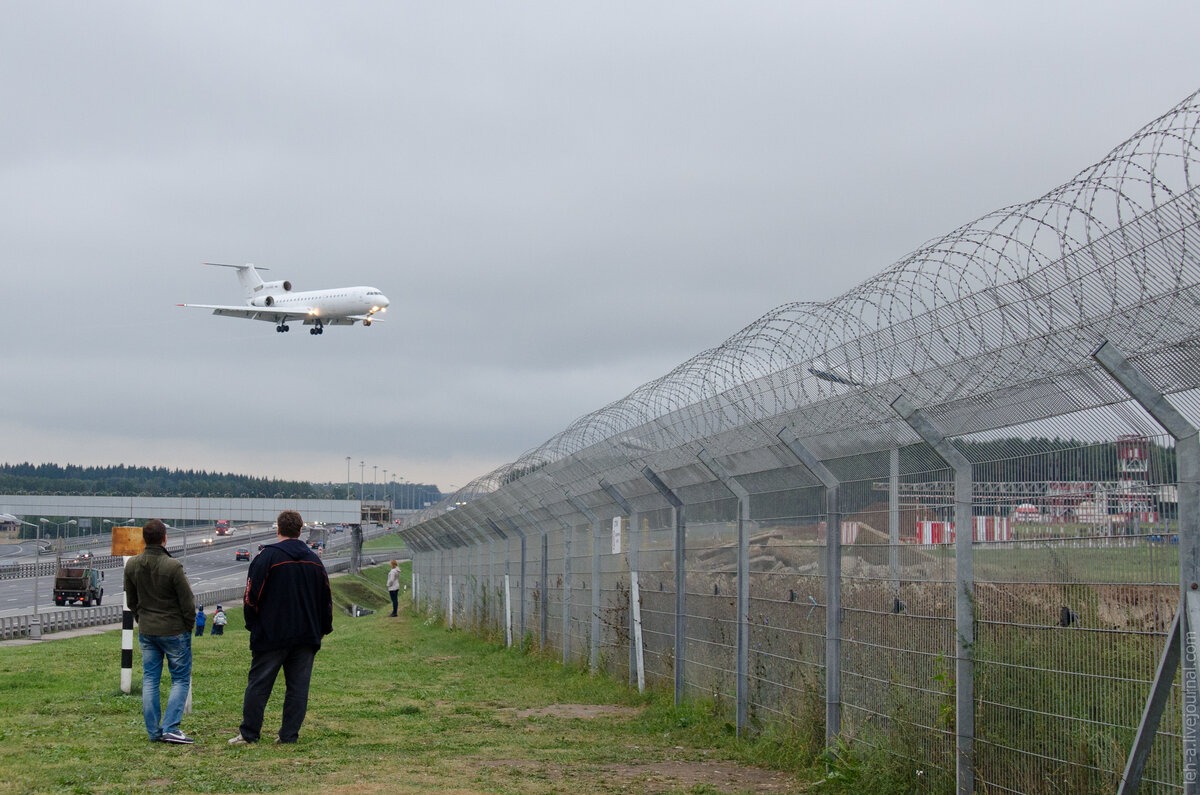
319, 328
282, 328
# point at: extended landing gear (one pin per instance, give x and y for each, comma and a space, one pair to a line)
282, 327
318, 328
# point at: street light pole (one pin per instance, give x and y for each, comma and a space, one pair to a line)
347, 477
182, 532
35, 624
375, 481
361, 478
37, 573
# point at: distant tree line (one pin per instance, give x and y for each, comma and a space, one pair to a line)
133, 481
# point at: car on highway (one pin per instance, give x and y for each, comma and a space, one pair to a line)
242, 554
85, 554
206, 540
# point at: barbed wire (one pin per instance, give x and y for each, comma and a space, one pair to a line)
1002, 312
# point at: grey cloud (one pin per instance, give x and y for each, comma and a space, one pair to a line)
561, 200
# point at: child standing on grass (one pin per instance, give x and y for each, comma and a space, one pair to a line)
219, 621
200, 620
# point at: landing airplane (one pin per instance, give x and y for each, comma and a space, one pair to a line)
275, 301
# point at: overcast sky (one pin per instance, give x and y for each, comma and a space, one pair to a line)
562, 200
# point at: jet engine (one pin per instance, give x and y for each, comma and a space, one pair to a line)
268, 288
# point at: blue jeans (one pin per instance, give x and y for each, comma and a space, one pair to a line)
178, 651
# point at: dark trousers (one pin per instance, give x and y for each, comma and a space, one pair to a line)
297, 663
395, 601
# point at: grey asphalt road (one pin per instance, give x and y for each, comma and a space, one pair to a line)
208, 568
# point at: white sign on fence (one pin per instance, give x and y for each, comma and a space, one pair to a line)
616, 535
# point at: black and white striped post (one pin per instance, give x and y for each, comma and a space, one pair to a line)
126, 638
126, 542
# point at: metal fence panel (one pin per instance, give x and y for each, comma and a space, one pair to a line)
1056, 603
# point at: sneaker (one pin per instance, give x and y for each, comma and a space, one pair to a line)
238, 740
177, 737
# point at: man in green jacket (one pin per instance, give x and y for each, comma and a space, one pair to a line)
164, 607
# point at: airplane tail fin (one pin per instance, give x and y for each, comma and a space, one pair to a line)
248, 276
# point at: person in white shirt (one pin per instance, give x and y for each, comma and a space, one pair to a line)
393, 586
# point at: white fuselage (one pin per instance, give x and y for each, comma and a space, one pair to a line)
336, 302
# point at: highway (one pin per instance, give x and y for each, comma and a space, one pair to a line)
208, 567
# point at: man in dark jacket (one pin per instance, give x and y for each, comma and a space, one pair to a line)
162, 603
288, 609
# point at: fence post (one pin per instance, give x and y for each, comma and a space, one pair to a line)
594, 651
545, 622
543, 598
594, 657
742, 645
507, 605
464, 547
543, 602
568, 532
440, 581
894, 520
680, 575
833, 582
520, 534
430, 583
964, 575
1187, 461
495, 604
637, 668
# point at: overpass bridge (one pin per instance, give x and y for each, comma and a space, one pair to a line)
180, 511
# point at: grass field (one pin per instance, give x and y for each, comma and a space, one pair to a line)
397, 705
389, 541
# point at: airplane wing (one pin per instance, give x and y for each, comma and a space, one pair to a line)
251, 312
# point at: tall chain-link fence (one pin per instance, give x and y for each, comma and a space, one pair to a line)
927, 515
